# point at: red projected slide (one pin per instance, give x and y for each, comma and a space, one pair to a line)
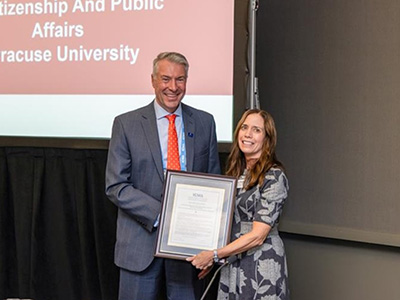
106, 47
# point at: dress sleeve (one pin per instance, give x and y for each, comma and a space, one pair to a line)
273, 194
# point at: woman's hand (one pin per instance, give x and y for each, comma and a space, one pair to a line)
203, 273
203, 260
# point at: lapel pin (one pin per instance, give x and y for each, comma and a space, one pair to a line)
190, 134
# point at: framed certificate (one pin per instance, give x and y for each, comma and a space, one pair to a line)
196, 213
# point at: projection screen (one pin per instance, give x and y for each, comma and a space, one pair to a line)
67, 68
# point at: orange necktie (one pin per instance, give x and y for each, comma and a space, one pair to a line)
173, 148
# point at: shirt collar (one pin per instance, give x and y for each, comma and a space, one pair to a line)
161, 112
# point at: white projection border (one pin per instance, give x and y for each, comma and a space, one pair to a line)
91, 116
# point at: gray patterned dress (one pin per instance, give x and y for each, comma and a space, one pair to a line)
261, 273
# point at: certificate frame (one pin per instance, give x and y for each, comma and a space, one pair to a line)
196, 213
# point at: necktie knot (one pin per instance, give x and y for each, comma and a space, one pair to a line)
171, 118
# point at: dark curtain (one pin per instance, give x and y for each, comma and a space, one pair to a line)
57, 228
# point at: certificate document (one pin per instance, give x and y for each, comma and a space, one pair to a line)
196, 215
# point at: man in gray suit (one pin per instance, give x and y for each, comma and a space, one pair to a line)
137, 160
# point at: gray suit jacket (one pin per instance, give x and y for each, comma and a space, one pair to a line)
134, 176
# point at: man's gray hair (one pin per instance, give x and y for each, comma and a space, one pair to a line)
173, 57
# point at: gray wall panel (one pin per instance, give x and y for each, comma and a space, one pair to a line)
329, 72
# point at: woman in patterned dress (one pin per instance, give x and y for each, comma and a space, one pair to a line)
260, 272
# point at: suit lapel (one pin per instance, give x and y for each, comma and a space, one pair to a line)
149, 125
189, 137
